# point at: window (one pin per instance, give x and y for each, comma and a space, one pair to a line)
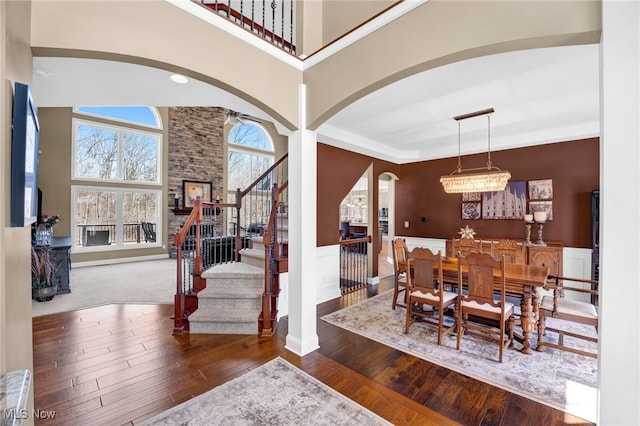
116, 179
110, 153
109, 218
250, 154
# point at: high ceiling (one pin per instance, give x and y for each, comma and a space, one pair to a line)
539, 96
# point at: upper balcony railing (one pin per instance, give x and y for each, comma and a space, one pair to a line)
274, 21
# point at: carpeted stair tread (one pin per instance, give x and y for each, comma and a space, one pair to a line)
252, 252
233, 270
230, 293
226, 316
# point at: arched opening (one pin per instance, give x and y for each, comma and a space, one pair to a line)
386, 210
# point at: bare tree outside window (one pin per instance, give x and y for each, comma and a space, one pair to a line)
96, 152
139, 157
118, 155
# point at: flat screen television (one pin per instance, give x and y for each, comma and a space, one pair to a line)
25, 132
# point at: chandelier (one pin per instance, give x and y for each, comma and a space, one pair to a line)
479, 179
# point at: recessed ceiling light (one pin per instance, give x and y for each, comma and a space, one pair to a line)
179, 78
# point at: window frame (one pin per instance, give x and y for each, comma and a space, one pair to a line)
119, 244
249, 150
118, 185
76, 122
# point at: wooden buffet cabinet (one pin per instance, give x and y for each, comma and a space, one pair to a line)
549, 255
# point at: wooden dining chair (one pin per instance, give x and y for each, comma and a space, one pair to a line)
426, 287
399, 271
477, 300
512, 251
580, 311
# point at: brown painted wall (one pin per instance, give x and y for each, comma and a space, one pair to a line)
573, 167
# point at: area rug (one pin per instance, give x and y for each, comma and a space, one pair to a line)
276, 393
559, 379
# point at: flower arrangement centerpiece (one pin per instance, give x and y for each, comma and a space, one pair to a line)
48, 221
44, 230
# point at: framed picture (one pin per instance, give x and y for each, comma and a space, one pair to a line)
471, 196
192, 189
542, 206
24, 158
508, 204
471, 211
541, 189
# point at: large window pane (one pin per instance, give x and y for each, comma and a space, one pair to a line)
116, 214
250, 135
239, 170
138, 207
96, 152
95, 217
140, 157
115, 154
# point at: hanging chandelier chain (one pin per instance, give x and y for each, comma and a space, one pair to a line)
459, 161
489, 141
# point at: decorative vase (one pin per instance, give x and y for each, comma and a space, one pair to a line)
44, 294
43, 236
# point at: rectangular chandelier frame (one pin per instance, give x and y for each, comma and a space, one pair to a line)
465, 180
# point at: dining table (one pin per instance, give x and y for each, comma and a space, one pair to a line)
522, 280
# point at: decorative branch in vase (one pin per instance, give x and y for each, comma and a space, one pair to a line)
43, 283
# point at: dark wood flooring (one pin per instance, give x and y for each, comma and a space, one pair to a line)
119, 364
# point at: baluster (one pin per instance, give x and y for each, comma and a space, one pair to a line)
253, 16
273, 18
264, 11
291, 49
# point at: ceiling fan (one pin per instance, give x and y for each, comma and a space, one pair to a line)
234, 117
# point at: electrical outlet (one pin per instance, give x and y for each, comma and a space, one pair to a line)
406, 223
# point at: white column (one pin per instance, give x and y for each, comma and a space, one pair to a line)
302, 337
619, 358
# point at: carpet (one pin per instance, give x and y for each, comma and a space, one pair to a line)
149, 281
559, 379
276, 393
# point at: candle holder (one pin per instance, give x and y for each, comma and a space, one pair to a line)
176, 202
540, 242
527, 241
540, 218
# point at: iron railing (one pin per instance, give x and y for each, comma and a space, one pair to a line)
353, 263
131, 233
274, 21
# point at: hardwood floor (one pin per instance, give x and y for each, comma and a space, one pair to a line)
119, 364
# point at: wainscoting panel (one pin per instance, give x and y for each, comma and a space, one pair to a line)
328, 279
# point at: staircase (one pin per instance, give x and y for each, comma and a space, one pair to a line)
231, 298
231, 303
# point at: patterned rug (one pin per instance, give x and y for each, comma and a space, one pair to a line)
559, 379
276, 393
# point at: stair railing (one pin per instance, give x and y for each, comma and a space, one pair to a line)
273, 21
353, 263
205, 239
275, 259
